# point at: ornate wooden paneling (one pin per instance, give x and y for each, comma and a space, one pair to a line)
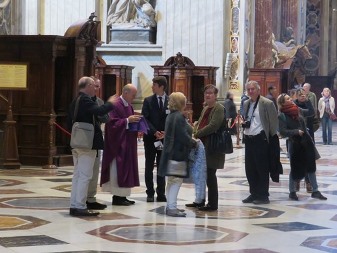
183, 76
54, 69
270, 77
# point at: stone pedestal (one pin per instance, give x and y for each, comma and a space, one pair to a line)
132, 36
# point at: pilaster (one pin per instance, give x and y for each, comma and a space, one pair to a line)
263, 33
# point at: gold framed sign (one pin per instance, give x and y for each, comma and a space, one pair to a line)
13, 76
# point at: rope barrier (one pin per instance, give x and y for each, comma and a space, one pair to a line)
236, 120
62, 129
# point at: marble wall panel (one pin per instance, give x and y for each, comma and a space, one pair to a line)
263, 32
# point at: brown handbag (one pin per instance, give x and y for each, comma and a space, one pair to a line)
333, 116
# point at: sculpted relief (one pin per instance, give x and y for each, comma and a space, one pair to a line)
290, 56
131, 13
5, 17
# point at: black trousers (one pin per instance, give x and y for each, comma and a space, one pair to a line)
212, 187
151, 153
257, 165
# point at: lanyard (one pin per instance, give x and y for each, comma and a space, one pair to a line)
255, 105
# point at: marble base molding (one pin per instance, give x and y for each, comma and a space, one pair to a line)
132, 36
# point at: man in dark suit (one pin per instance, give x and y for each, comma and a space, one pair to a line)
155, 112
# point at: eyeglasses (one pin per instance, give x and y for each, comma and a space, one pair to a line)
209, 93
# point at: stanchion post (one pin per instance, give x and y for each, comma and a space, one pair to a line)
50, 164
10, 146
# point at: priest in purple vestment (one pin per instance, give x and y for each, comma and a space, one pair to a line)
120, 163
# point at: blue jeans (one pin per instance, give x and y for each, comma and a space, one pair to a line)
312, 180
326, 124
172, 189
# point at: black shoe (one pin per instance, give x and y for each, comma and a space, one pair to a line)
293, 196
195, 204
318, 195
95, 206
161, 198
130, 201
249, 199
121, 203
150, 199
261, 201
82, 212
208, 208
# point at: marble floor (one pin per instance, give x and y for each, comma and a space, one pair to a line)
34, 215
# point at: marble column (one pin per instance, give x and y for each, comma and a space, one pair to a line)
263, 33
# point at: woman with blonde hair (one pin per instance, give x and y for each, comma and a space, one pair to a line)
177, 145
326, 106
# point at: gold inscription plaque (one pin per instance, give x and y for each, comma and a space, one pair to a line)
13, 76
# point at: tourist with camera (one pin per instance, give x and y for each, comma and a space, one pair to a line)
260, 123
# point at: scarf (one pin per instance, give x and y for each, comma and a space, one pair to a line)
327, 104
291, 110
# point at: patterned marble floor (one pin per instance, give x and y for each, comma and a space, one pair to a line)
34, 215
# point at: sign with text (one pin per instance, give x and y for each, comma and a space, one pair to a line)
13, 76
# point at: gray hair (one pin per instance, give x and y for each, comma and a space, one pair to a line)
84, 81
254, 83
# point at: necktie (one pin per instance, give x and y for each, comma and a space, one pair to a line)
161, 106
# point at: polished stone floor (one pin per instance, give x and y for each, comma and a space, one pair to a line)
34, 215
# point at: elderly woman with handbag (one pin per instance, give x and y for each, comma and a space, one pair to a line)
326, 108
177, 146
211, 119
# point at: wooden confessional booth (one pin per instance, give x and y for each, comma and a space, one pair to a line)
55, 64
182, 75
113, 77
270, 77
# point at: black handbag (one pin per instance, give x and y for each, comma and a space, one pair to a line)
221, 141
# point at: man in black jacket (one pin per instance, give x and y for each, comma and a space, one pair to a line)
155, 111
84, 159
92, 204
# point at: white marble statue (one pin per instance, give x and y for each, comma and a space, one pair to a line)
131, 14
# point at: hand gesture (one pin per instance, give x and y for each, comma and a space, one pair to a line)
134, 118
159, 135
113, 99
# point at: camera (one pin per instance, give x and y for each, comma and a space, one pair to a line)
246, 124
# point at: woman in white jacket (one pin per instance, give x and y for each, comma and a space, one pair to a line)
326, 106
